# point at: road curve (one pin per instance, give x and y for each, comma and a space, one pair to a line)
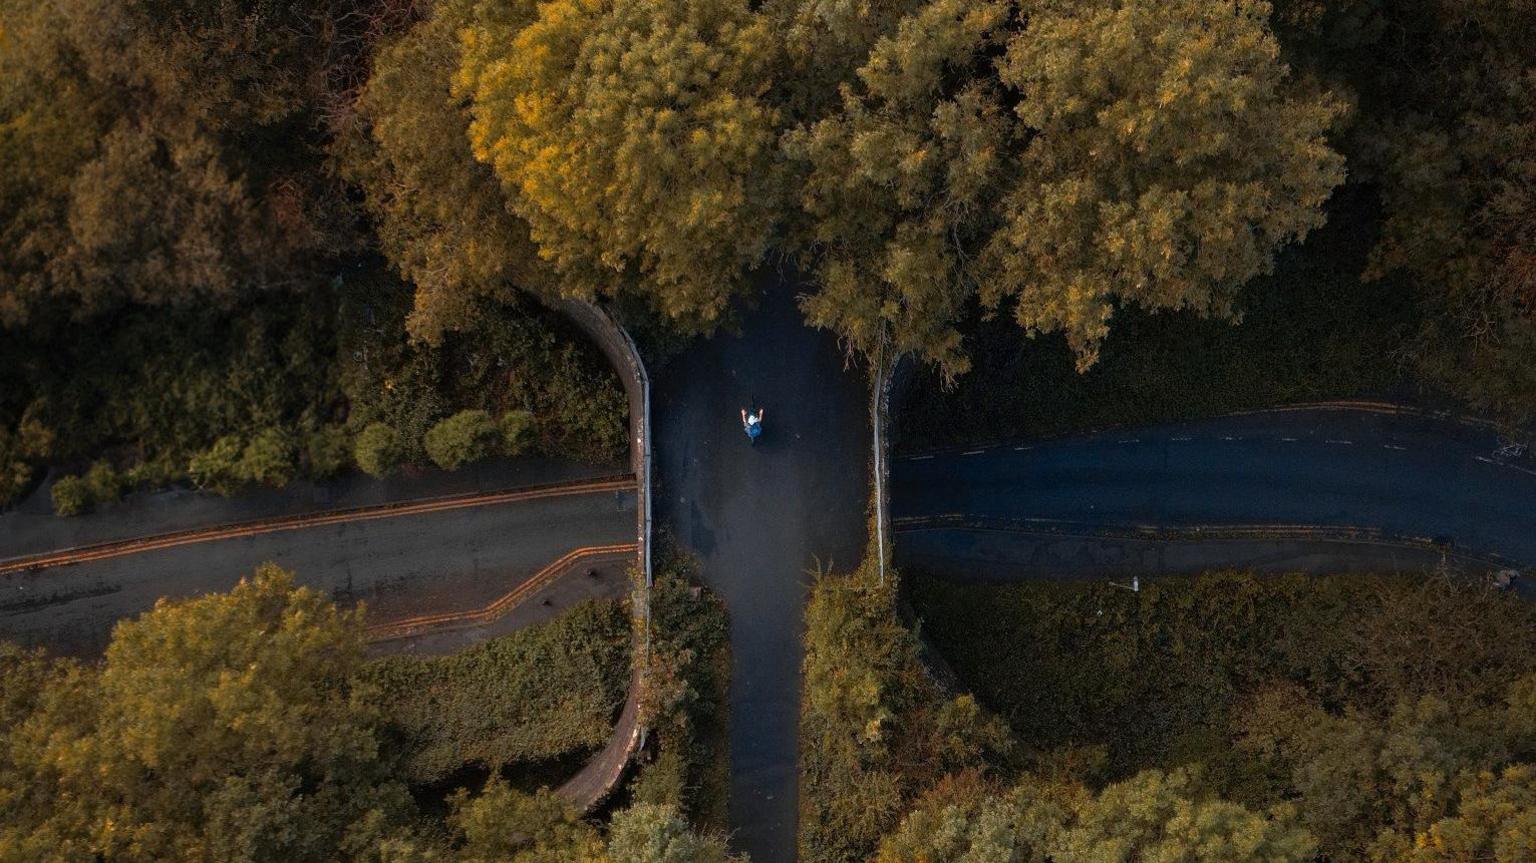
1393, 473
760, 518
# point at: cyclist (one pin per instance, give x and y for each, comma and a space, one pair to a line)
752, 423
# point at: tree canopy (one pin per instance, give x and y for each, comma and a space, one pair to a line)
1054, 161
636, 140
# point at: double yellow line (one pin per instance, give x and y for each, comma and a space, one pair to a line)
159, 542
409, 626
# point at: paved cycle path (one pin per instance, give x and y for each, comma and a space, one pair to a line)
760, 517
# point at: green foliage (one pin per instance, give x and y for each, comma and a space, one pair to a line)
636, 140
441, 216
71, 495
377, 449
1168, 156
659, 834
502, 824
1310, 332
516, 430
140, 141
536, 694
327, 451
467, 436
903, 180
226, 726
104, 482
268, 458
1378, 707
875, 730
688, 682
1152, 816
218, 468
15, 476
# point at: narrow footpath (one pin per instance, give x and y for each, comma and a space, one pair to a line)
760, 518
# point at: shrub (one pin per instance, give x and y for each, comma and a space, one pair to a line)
328, 451
158, 471
15, 473
377, 450
71, 496
465, 437
516, 432
217, 469
533, 695
268, 458
103, 482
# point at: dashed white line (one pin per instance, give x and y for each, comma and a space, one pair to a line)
1394, 446
1131, 440
1228, 437
1181, 438
974, 452
1022, 448
1332, 440
1289, 439
920, 458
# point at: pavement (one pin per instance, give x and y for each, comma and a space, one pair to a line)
456, 562
1333, 489
760, 519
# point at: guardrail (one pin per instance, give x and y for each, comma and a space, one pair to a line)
601, 775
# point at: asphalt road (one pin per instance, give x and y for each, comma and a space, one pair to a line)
1402, 475
760, 518
449, 561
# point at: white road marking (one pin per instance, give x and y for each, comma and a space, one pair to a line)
974, 452
1131, 440
1485, 460
1022, 448
1227, 437
1181, 438
1394, 446
1289, 439
919, 458
1348, 442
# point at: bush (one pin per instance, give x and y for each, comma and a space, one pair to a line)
465, 437
534, 695
516, 429
377, 450
15, 472
103, 482
71, 496
217, 469
328, 451
268, 458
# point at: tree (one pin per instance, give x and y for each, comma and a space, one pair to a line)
467, 436
1151, 816
441, 215
636, 140
268, 458
902, 181
377, 450
1165, 155
225, 727
217, 468
129, 131
328, 449
647, 833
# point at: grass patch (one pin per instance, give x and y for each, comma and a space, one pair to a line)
1311, 331
538, 694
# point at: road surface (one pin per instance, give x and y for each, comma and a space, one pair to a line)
760, 518
1396, 474
441, 573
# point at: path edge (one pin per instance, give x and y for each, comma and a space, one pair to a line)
598, 778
